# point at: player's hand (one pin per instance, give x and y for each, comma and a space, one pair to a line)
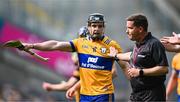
113, 52
70, 93
46, 86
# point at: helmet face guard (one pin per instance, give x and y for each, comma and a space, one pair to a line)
96, 18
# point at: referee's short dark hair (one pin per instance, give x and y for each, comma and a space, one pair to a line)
139, 20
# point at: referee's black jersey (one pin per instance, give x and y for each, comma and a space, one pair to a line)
148, 54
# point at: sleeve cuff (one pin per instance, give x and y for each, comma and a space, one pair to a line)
72, 46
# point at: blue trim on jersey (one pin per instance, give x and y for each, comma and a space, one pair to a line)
177, 71
95, 62
97, 98
72, 46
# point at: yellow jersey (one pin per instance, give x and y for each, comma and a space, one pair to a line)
95, 65
176, 66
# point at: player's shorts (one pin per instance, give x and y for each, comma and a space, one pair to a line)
178, 98
97, 98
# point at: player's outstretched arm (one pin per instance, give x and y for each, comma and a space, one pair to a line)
49, 46
171, 48
171, 43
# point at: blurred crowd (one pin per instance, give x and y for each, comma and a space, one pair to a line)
9, 93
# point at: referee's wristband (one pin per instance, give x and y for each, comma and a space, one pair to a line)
141, 72
116, 58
